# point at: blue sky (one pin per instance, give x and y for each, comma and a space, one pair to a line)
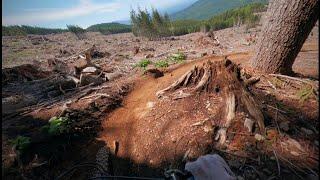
58, 13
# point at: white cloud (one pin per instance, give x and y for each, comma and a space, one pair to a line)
85, 7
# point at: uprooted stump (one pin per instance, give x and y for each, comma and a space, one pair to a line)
223, 78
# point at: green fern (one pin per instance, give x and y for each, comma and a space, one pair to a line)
56, 126
21, 143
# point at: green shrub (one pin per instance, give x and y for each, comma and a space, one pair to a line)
177, 57
56, 126
162, 64
21, 143
143, 63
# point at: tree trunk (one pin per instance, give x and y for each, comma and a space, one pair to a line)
288, 25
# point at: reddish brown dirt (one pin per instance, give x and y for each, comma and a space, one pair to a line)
153, 131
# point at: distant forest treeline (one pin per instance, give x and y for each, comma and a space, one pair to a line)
110, 28
24, 30
104, 28
155, 25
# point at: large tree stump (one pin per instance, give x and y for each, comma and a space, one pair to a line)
221, 77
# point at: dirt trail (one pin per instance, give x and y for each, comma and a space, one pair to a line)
141, 139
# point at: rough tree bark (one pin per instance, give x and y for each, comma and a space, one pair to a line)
288, 25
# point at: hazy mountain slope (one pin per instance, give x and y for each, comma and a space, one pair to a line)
204, 9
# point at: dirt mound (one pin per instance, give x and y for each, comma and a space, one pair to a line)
23, 73
168, 131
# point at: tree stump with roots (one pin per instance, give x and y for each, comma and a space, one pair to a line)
224, 78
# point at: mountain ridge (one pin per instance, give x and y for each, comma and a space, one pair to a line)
204, 9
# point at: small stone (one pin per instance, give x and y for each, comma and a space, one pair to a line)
284, 125
86, 79
91, 70
316, 143
150, 104
248, 123
259, 137
112, 76
307, 131
240, 178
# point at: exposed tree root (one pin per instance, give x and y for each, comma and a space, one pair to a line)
222, 78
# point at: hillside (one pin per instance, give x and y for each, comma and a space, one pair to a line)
24, 30
110, 28
204, 9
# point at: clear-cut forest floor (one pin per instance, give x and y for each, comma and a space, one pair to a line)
146, 134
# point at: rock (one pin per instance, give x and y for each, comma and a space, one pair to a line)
91, 70
112, 76
150, 104
307, 131
86, 79
248, 123
284, 125
316, 143
68, 83
259, 137
221, 136
155, 73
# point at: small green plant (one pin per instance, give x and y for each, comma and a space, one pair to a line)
56, 126
304, 93
21, 143
162, 64
177, 57
143, 63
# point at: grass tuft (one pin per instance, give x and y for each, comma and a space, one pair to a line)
143, 63
304, 93
177, 57
162, 64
